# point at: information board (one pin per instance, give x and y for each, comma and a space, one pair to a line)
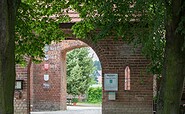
111, 82
18, 84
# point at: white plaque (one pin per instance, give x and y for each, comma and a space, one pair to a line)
46, 85
46, 57
111, 82
112, 96
19, 84
46, 77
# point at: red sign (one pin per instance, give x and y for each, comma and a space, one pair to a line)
46, 66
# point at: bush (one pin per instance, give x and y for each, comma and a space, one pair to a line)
94, 95
74, 100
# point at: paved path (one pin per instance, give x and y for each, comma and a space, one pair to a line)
75, 110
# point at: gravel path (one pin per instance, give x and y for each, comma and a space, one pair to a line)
75, 110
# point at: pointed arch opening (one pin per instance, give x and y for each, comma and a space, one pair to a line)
127, 78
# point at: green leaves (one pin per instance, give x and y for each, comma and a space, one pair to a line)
81, 29
95, 95
38, 24
139, 22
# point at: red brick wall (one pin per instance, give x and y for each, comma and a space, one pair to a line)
138, 100
54, 97
20, 96
114, 57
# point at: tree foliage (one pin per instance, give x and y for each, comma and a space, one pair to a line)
97, 64
79, 71
37, 25
141, 23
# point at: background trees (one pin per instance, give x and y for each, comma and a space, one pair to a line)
97, 64
80, 70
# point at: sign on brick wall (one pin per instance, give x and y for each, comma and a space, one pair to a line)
111, 82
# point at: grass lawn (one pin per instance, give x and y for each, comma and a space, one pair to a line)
89, 104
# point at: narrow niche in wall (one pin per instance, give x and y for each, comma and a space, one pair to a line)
127, 78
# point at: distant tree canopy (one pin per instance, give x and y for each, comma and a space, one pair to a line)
98, 68
97, 64
79, 71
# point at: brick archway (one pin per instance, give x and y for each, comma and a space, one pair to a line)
72, 44
114, 55
52, 97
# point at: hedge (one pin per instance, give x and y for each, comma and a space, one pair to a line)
94, 95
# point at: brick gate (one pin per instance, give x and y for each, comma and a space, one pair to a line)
51, 94
135, 85
115, 57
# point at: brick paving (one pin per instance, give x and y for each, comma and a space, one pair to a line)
75, 110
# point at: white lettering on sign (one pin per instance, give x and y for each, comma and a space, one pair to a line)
111, 82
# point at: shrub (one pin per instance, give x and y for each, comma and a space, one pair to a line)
95, 94
74, 100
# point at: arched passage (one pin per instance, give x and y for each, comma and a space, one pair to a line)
73, 44
114, 55
51, 94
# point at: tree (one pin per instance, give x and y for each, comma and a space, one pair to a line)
8, 10
174, 64
79, 71
27, 25
156, 25
97, 64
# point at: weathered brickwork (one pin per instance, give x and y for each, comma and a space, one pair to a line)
20, 96
51, 94
117, 56
114, 57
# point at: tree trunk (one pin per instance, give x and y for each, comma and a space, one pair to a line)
7, 56
2, 35
174, 66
